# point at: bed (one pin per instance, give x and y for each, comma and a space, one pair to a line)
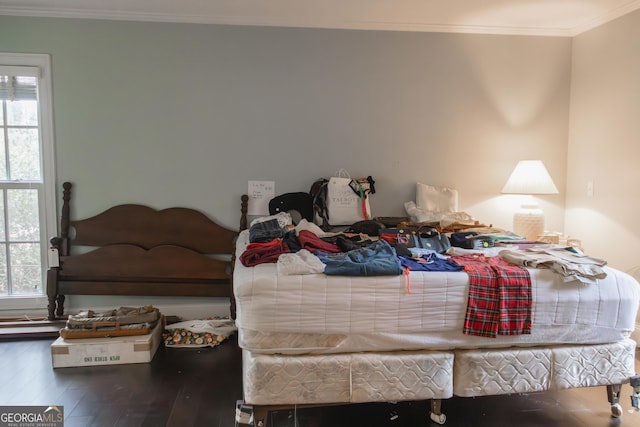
325, 340
132, 249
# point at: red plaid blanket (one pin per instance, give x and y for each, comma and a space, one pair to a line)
499, 297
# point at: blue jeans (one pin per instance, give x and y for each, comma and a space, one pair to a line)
377, 259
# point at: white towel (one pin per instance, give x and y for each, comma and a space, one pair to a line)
301, 262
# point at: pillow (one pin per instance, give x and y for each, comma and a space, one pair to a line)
444, 218
436, 199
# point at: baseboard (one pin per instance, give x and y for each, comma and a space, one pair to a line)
30, 329
24, 314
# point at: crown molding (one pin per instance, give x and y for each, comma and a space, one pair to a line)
311, 23
273, 22
606, 17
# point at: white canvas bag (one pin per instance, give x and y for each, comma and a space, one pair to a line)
344, 205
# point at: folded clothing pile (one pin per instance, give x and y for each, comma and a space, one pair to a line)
119, 322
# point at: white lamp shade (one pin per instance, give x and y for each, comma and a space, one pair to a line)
530, 177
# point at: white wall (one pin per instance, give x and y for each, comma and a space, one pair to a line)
603, 143
184, 115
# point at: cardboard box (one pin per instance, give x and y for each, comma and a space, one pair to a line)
106, 351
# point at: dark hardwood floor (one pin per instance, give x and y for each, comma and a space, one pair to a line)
180, 387
199, 387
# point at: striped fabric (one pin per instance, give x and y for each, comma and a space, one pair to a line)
499, 297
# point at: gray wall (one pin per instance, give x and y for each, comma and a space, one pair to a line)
183, 114
186, 114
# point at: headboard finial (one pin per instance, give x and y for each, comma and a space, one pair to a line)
65, 218
243, 210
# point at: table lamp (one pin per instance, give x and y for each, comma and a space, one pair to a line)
529, 177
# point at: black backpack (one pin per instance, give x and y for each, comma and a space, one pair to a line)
319, 193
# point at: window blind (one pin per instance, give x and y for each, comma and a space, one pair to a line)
18, 83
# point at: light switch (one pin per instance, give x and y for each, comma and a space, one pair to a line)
589, 188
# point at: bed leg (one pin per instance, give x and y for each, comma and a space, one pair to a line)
260, 416
613, 395
249, 415
60, 305
436, 414
52, 289
51, 308
244, 414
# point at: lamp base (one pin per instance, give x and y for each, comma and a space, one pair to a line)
528, 222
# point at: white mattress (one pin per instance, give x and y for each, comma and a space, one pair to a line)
336, 314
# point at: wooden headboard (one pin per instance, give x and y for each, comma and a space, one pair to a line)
133, 249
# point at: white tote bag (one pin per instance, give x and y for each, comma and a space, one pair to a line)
347, 199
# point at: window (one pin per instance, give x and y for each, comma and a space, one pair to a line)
27, 179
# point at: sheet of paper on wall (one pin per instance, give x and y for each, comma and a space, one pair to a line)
260, 193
